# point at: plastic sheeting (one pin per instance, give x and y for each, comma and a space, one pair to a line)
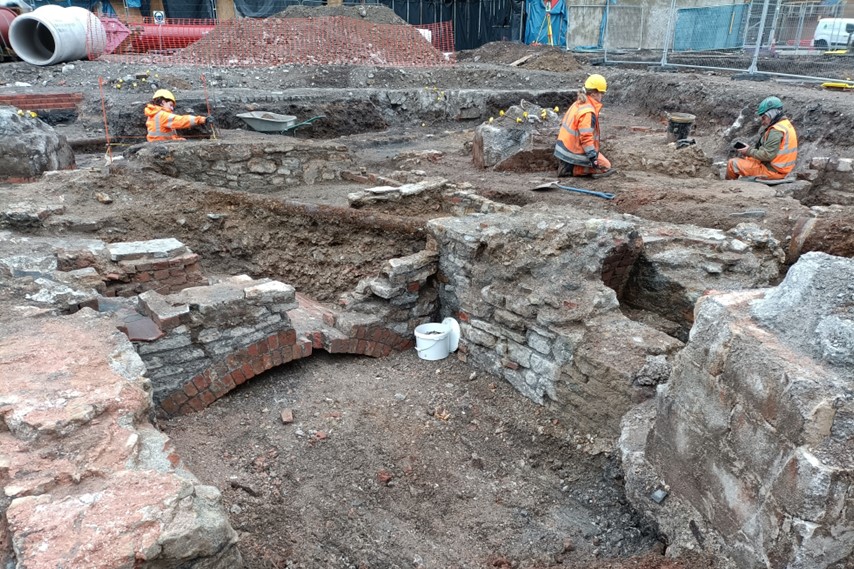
547, 22
192, 9
262, 8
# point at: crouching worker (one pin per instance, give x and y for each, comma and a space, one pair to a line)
776, 151
577, 148
162, 122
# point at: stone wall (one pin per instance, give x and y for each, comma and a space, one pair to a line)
88, 481
747, 451
538, 297
248, 163
831, 180
533, 309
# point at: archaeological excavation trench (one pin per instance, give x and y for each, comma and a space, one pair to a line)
660, 380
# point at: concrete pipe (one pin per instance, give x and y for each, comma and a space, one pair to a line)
53, 34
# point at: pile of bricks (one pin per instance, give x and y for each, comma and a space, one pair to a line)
162, 265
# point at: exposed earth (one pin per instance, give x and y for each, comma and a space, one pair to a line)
400, 462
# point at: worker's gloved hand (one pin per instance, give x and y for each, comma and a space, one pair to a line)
210, 120
593, 156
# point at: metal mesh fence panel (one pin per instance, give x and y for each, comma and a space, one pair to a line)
764, 36
328, 40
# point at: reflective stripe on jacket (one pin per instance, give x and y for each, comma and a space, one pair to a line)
579, 132
787, 156
162, 124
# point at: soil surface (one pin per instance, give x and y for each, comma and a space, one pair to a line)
404, 462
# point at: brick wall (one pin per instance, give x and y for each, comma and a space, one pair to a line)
43, 102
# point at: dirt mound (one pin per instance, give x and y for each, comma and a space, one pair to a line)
375, 14
327, 40
542, 58
652, 153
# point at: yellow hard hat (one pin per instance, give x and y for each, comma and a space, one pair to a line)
164, 94
596, 82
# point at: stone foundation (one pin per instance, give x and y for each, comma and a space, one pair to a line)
747, 451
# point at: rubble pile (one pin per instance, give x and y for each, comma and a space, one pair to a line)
334, 40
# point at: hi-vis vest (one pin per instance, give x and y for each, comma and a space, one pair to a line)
787, 155
573, 140
162, 124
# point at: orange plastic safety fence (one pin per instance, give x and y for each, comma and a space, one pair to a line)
330, 40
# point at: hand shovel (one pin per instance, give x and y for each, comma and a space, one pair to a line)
552, 185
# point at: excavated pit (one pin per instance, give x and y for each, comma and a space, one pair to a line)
399, 462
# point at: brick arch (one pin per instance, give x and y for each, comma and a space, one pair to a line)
277, 349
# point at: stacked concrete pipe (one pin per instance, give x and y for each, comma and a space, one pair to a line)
53, 34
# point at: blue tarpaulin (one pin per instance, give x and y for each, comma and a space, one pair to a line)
546, 23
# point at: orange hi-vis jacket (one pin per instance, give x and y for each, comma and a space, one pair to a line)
579, 132
162, 124
786, 157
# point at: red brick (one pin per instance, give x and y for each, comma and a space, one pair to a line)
414, 286
217, 390
201, 382
362, 347
228, 382
268, 361
190, 389
160, 265
288, 337
263, 348
179, 397
186, 409
360, 332
287, 353
143, 277
277, 357
368, 348
317, 340
207, 397
258, 365
247, 370
252, 350
463, 316
196, 402
509, 364
273, 342
339, 346
238, 377
170, 406
162, 274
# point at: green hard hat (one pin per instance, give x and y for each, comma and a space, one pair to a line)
768, 104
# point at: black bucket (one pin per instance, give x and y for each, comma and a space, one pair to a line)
679, 126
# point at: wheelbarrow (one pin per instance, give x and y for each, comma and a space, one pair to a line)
274, 123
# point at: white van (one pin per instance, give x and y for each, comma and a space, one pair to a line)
833, 32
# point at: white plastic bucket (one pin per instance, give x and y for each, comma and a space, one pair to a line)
431, 341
